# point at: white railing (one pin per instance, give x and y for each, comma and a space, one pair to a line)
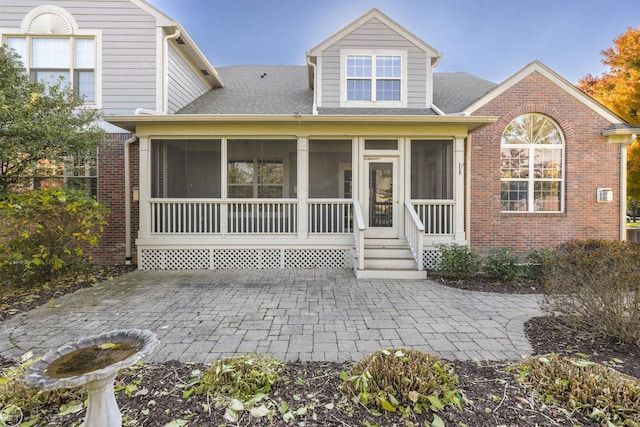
330, 216
358, 233
277, 216
171, 216
182, 216
414, 233
438, 216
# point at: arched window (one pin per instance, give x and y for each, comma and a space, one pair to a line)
532, 165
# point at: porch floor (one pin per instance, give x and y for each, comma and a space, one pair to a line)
324, 315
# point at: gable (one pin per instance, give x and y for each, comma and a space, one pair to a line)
378, 26
560, 82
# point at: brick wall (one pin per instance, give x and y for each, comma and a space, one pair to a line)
111, 192
590, 163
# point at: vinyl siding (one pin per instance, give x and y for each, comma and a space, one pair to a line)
128, 46
370, 36
184, 84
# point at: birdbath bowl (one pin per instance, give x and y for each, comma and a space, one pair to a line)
93, 362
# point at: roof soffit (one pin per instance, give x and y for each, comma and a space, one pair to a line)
376, 14
555, 78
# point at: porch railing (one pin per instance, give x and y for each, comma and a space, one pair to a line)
330, 216
438, 216
414, 233
281, 216
358, 233
275, 216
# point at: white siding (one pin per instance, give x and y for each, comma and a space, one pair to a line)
184, 84
375, 35
128, 61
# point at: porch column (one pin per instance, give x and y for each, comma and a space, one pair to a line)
303, 190
459, 235
145, 187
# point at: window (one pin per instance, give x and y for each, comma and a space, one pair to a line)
374, 78
69, 60
81, 173
262, 178
264, 169
531, 165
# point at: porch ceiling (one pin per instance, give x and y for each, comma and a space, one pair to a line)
131, 122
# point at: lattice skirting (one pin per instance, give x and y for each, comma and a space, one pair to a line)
430, 258
218, 259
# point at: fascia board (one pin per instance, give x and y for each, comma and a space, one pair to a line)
554, 78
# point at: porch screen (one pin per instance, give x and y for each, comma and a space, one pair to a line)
185, 168
330, 171
431, 169
264, 169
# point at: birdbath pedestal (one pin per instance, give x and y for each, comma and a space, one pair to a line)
93, 362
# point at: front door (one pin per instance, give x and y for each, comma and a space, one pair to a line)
381, 210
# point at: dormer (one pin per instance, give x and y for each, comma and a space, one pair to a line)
372, 63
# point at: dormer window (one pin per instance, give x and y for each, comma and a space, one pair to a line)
375, 79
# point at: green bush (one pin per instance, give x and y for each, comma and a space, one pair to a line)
457, 262
595, 284
45, 232
502, 264
535, 266
409, 381
596, 391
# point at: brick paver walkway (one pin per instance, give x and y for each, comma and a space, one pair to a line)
325, 315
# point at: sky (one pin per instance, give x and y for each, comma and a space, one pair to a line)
491, 39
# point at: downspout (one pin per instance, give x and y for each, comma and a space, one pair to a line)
165, 71
127, 198
314, 109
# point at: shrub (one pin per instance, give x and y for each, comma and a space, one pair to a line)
45, 232
241, 377
596, 284
535, 266
502, 265
409, 381
21, 403
457, 262
594, 390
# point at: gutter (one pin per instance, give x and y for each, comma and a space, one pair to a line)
127, 198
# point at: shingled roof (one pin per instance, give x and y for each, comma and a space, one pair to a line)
284, 89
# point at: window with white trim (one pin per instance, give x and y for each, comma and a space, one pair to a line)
69, 60
532, 165
374, 78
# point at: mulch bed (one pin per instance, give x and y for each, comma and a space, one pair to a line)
312, 389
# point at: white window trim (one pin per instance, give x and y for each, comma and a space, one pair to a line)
373, 104
75, 32
531, 180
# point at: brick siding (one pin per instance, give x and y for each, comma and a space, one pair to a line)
590, 163
111, 249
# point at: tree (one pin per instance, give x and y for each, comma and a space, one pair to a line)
619, 90
39, 125
619, 87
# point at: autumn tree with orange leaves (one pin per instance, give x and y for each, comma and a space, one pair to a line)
619, 90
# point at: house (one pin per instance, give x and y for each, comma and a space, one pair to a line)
364, 158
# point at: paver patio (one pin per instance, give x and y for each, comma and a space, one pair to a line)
324, 315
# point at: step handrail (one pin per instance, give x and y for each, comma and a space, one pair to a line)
358, 233
414, 233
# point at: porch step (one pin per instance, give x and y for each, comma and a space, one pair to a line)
388, 259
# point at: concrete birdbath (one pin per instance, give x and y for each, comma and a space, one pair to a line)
93, 362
